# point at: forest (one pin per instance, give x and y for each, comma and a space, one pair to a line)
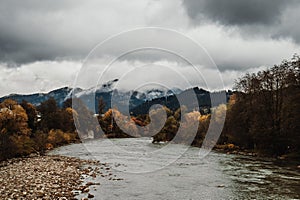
262, 115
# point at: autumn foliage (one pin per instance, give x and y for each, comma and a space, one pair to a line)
25, 129
264, 112
262, 115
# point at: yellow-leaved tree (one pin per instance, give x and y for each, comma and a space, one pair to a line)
14, 130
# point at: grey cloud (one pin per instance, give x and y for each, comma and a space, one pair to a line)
59, 30
26, 28
34, 30
290, 24
277, 19
237, 12
18, 51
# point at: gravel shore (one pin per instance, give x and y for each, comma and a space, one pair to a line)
49, 177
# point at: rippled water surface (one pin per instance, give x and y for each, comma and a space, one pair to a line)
150, 173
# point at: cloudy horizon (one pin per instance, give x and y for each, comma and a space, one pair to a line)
43, 44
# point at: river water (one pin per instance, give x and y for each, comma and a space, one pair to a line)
179, 173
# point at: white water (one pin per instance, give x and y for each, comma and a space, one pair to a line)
217, 176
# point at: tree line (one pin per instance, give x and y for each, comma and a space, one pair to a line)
262, 115
26, 129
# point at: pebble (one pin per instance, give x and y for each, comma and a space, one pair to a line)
45, 177
90, 196
85, 190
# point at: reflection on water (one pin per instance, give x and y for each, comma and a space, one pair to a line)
218, 176
258, 178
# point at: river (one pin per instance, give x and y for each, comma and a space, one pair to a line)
185, 175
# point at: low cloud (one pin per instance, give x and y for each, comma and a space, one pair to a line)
43, 77
37, 76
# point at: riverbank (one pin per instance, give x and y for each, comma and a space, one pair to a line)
49, 177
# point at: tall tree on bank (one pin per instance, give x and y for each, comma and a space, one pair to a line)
32, 115
14, 130
264, 115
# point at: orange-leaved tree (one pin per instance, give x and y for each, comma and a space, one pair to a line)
14, 130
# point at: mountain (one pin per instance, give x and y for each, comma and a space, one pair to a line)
36, 99
104, 91
139, 102
203, 97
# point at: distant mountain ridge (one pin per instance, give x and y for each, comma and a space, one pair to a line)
104, 91
203, 103
36, 99
139, 103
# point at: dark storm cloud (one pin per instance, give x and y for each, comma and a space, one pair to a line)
13, 51
239, 35
237, 12
277, 19
32, 30
24, 30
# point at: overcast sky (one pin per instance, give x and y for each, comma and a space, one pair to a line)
43, 43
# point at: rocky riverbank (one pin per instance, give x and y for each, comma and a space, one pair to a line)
50, 177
